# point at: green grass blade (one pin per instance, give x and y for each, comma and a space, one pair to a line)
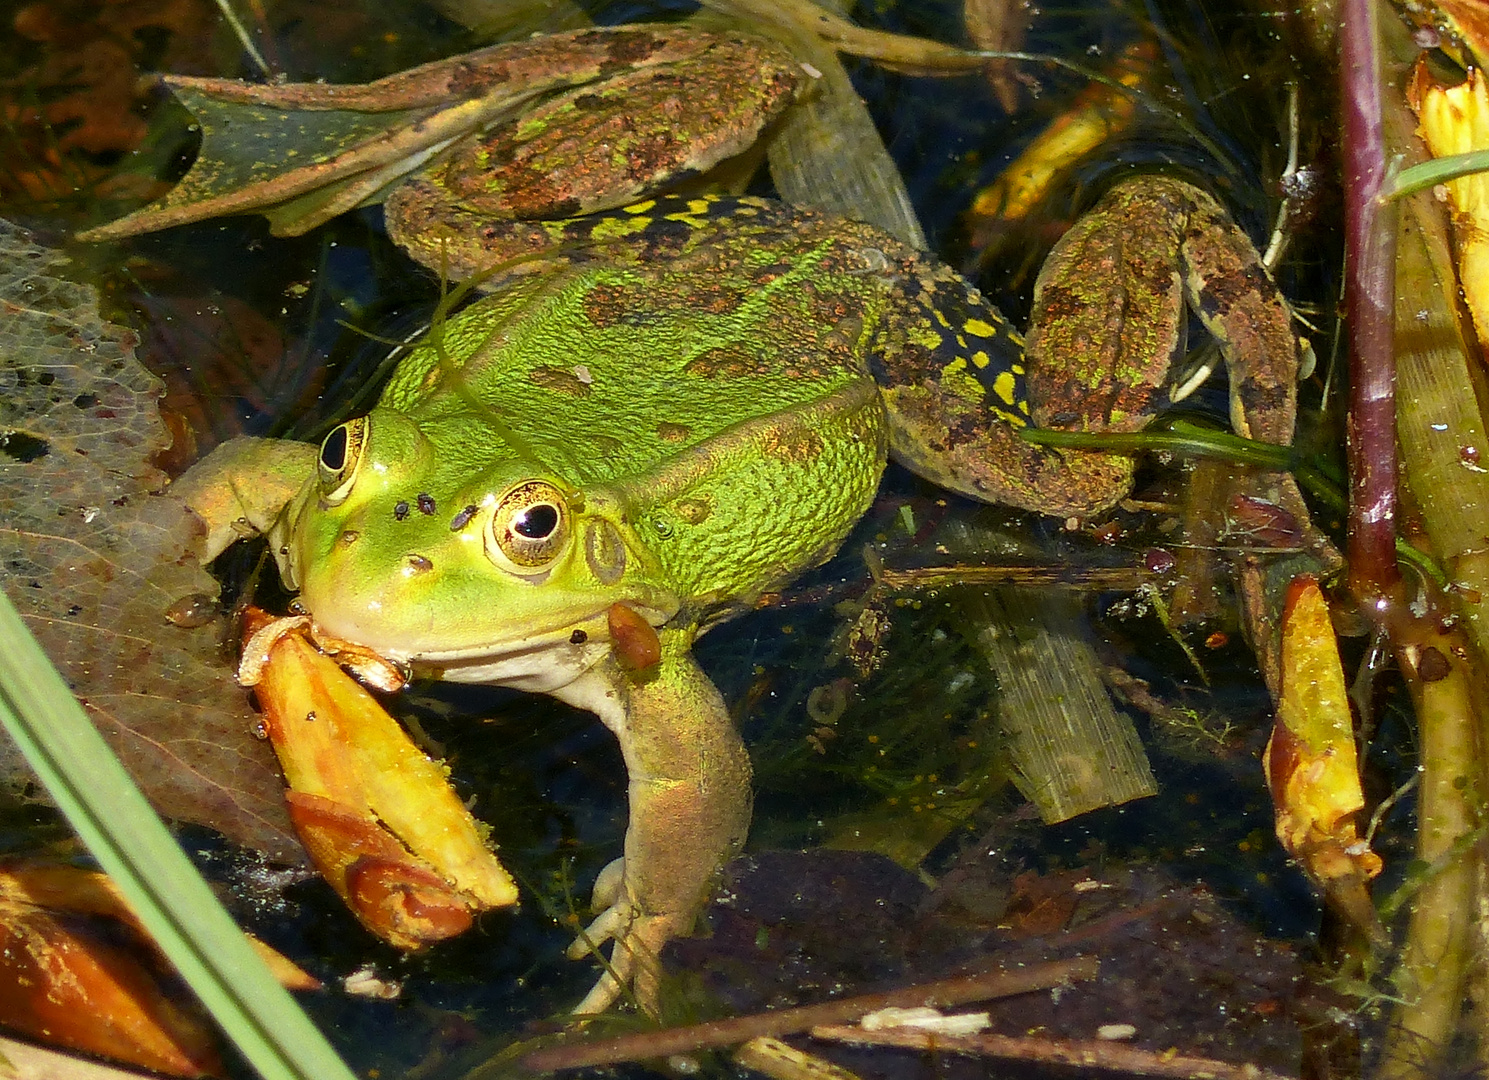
134, 847
1434, 171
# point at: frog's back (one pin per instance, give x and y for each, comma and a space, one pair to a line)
721, 391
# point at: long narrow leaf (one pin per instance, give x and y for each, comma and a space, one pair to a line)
134, 847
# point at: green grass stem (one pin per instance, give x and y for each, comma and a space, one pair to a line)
134, 847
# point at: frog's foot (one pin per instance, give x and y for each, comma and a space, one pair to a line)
638, 936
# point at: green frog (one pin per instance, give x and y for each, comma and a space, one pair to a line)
664, 409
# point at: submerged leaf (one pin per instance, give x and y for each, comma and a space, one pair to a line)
1310, 762
95, 557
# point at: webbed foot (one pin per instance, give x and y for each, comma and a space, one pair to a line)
634, 963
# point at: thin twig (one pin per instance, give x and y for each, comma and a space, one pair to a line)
1083, 1053
244, 38
958, 991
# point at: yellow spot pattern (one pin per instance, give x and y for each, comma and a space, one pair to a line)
980, 327
615, 228
688, 218
1003, 386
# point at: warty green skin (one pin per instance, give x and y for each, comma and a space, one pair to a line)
690, 485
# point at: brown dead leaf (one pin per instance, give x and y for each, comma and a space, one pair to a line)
222, 361
64, 983
93, 557
82, 96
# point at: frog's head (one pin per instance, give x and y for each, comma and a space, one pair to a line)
434, 547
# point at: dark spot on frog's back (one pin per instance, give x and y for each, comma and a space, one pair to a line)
560, 379
909, 365
726, 362
764, 275
794, 444
1220, 294
716, 299
626, 50
605, 305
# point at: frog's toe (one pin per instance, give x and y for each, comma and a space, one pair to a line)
613, 922
608, 885
633, 959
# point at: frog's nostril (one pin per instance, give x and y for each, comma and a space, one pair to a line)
416, 564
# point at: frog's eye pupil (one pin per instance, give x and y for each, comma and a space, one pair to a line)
528, 531
536, 522
333, 450
340, 460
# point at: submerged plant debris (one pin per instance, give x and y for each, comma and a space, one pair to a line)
101, 561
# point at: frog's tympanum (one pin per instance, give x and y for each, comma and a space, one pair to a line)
666, 409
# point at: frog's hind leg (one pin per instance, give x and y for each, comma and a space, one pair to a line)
1236, 299
953, 374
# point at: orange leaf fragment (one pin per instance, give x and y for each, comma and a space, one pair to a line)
1310, 761
377, 816
67, 981
637, 646
1097, 114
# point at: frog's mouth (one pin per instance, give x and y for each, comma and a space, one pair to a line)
541, 659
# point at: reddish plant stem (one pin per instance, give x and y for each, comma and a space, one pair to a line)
1370, 264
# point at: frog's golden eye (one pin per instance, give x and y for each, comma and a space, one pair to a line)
530, 528
340, 456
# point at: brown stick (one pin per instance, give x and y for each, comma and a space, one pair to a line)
1085, 1053
957, 991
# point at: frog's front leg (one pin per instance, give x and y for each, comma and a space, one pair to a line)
689, 810
241, 488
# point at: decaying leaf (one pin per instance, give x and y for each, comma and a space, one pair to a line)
1310, 761
95, 556
69, 978
999, 26
81, 96
378, 817
1099, 113
1455, 120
